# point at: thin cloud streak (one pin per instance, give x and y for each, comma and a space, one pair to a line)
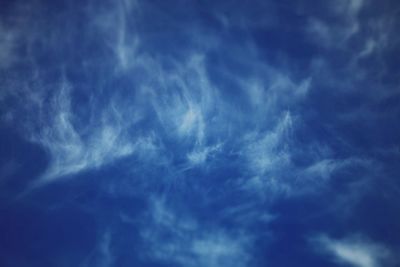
356, 251
189, 243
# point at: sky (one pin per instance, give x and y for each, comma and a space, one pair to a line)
199, 133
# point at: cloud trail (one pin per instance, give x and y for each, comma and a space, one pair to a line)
355, 251
184, 241
216, 104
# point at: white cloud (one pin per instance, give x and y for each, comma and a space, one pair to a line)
76, 144
275, 90
16, 30
8, 43
185, 100
247, 214
185, 242
259, 14
381, 31
350, 8
324, 168
354, 251
192, 123
330, 34
189, 108
271, 170
102, 254
268, 152
218, 249
200, 155
119, 34
368, 49
266, 156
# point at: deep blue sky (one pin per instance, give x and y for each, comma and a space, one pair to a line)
199, 133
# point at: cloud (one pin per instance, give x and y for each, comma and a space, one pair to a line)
236, 14
80, 138
190, 108
273, 91
102, 254
335, 35
354, 251
268, 152
71, 148
266, 157
248, 214
7, 46
200, 156
16, 31
186, 99
226, 105
270, 160
115, 25
324, 168
145, 100
186, 242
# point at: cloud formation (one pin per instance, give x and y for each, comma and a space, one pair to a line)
330, 34
211, 112
186, 242
356, 251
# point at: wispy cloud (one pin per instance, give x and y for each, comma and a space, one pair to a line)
185, 100
102, 254
120, 35
200, 156
335, 35
186, 242
356, 251
268, 152
144, 100
71, 149
8, 45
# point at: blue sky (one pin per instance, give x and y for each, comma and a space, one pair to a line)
199, 133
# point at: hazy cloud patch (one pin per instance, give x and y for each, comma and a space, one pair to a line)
356, 251
185, 241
